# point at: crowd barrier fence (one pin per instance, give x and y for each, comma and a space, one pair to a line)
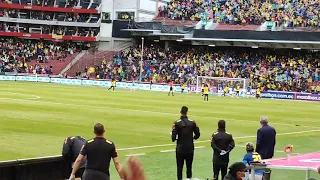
48, 168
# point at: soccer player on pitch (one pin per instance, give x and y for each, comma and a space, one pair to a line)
171, 88
206, 93
183, 85
238, 91
232, 92
189, 86
113, 85
225, 90
248, 91
258, 93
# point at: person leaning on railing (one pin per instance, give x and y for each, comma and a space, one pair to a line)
71, 149
99, 152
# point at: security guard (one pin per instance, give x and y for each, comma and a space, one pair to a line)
182, 131
71, 149
222, 143
99, 152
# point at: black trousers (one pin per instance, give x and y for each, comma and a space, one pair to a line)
206, 97
90, 174
216, 170
180, 158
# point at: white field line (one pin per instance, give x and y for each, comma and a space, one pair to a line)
196, 142
33, 97
172, 150
199, 147
140, 154
137, 110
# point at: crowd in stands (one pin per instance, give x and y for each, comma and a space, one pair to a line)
288, 13
15, 54
272, 69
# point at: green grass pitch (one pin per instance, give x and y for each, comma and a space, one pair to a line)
35, 118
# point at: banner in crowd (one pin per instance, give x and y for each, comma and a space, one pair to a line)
159, 87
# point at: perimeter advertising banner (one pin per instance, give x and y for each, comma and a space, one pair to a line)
277, 95
307, 97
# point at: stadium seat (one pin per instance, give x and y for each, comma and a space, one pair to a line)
15, 2
85, 4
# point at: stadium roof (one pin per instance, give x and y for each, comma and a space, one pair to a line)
242, 38
255, 43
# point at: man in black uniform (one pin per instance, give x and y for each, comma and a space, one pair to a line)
99, 152
71, 149
222, 143
182, 131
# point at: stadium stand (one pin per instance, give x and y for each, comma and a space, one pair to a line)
57, 22
47, 19
281, 70
35, 56
288, 13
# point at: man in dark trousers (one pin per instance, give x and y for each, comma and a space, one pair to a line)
99, 152
266, 139
222, 143
185, 131
71, 149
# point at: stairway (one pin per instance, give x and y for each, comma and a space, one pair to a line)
90, 60
74, 61
57, 66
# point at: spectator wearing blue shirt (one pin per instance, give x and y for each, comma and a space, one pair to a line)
252, 157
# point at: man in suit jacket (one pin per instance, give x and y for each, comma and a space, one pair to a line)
266, 139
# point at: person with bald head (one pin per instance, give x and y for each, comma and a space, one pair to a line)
266, 139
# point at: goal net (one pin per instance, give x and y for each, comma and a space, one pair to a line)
217, 84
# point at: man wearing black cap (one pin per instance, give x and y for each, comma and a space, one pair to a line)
237, 171
99, 152
222, 143
71, 149
184, 130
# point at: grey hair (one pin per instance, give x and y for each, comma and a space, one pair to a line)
264, 119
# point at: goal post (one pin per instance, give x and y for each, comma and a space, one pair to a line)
216, 83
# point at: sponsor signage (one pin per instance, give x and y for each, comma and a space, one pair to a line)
277, 95
307, 97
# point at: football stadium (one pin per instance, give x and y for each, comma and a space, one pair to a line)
133, 66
